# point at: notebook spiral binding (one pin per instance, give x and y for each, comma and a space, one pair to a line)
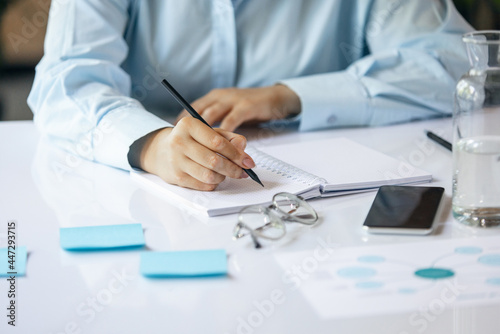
279, 167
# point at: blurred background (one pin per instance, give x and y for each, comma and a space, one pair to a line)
22, 31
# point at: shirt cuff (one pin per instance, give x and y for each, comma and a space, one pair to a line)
118, 130
330, 100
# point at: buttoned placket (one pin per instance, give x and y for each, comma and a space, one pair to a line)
224, 48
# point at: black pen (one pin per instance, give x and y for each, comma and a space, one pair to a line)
178, 97
439, 140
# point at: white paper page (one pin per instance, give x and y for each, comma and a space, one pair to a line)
230, 195
371, 281
345, 164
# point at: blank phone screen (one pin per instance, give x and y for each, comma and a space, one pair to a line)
404, 207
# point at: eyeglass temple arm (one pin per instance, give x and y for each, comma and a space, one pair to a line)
255, 241
252, 235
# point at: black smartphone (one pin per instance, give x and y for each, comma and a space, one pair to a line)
405, 210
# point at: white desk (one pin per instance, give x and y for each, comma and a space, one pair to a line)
44, 189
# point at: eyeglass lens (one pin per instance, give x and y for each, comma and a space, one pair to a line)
294, 208
263, 222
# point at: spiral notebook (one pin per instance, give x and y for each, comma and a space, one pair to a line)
312, 169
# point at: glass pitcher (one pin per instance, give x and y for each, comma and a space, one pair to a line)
476, 134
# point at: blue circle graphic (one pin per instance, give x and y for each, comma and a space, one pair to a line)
490, 259
493, 281
369, 285
371, 259
468, 250
434, 273
356, 272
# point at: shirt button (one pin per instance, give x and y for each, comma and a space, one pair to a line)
332, 119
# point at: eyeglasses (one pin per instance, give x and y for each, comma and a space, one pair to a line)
268, 222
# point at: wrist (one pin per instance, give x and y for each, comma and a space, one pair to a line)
141, 151
289, 100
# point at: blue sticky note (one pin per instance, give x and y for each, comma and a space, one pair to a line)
199, 263
101, 237
13, 265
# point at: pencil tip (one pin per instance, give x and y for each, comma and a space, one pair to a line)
253, 176
258, 180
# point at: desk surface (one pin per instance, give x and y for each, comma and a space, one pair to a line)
44, 189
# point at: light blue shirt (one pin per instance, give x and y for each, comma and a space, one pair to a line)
352, 63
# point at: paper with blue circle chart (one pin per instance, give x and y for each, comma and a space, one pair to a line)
422, 278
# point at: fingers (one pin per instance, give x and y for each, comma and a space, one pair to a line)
181, 115
189, 156
163, 156
199, 105
214, 105
205, 101
195, 156
202, 174
211, 166
208, 108
217, 142
231, 119
237, 117
237, 140
215, 113
188, 173
187, 181
235, 106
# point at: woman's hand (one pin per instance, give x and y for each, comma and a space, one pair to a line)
235, 106
194, 156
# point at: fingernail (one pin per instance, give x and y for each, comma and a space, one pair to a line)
248, 163
243, 175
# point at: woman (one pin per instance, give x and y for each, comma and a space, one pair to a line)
323, 64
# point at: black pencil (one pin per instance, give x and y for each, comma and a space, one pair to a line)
178, 97
439, 140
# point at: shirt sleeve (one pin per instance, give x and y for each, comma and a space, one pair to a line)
80, 96
415, 57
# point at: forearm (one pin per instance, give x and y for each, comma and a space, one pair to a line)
81, 95
416, 57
